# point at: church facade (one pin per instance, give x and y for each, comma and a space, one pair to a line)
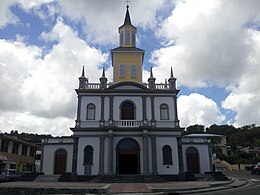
126, 126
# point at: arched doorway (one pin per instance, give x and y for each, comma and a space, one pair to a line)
60, 161
128, 156
192, 158
127, 110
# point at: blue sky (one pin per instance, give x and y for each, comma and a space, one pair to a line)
212, 45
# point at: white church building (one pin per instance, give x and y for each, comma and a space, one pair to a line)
126, 126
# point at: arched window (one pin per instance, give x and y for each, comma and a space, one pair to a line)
167, 155
127, 111
133, 70
91, 111
121, 38
88, 155
127, 36
133, 38
121, 70
164, 111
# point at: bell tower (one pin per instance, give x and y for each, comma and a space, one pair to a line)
127, 59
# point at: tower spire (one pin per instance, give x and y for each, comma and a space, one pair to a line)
127, 67
127, 16
83, 72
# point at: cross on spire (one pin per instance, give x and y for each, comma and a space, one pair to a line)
127, 1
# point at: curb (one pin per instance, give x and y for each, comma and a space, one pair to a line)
233, 183
48, 190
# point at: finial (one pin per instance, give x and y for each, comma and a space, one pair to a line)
83, 72
171, 72
151, 72
127, 15
103, 73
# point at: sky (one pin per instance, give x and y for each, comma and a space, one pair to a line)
213, 47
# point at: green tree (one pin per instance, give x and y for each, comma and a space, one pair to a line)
256, 143
195, 129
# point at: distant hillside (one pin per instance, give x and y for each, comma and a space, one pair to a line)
246, 136
29, 137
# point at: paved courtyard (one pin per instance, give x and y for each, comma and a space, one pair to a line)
85, 187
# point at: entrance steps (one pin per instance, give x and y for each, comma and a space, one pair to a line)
204, 177
127, 179
47, 178
208, 176
218, 176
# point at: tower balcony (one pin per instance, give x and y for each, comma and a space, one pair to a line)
129, 124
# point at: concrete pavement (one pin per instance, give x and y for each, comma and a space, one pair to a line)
185, 187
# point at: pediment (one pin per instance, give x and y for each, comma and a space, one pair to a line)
128, 86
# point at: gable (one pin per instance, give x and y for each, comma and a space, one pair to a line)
128, 85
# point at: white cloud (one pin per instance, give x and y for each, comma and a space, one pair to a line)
104, 17
6, 16
25, 122
41, 87
29, 4
215, 43
198, 109
101, 17
17, 60
211, 43
207, 42
245, 96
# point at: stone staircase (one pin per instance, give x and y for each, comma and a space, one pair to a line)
218, 176
47, 178
190, 176
127, 179
204, 177
208, 176
73, 177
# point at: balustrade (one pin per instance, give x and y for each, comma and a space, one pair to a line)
97, 86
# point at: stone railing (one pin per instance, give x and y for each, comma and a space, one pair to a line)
127, 123
92, 86
160, 86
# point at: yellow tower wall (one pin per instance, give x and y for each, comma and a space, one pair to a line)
127, 59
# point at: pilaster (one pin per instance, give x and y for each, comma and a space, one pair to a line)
75, 154
110, 152
111, 108
78, 111
176, 120
145, 153
153, 112
154, 156
101, 155
180, 157
102, 109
